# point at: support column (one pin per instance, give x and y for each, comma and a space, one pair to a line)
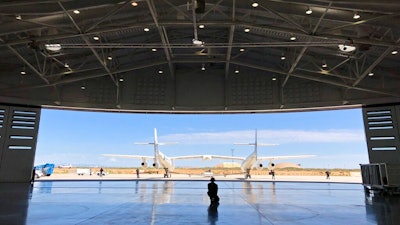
18, 136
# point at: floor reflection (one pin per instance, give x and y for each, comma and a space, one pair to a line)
385, 210
181, 202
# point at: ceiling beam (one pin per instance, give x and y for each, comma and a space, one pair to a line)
303, 50
163, 35
101, 61
41, 76
230, 40
313, 78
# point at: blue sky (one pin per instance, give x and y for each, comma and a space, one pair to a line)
79, 138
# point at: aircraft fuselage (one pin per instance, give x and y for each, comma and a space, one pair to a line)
165, 162
249, 162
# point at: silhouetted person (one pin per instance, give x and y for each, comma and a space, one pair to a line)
101, 172
137, 173
328, 175
272, 172
213, 192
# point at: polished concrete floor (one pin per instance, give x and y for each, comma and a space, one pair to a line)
186, 202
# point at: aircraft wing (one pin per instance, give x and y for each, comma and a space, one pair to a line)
284, 157
206, 157
143, 157
151, 143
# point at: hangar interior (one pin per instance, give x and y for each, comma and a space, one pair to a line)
197, 56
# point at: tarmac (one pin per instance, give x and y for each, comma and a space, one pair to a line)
356, 179
151, 199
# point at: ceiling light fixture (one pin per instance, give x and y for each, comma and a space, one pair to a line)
283, 57
83, 87
309, 11
255, 4
23, 72
134, 4
66, 65
370, 74
109, 57
146, 29
346, 48
18, 17
293, 38
356, 16
324, 65
121, 79
237, 70
160, 71
203, 68
53, 47
242, 49
153, 49
201, 26
77, 11
394, 52
197, 42
247, 30
273, 78
96, 38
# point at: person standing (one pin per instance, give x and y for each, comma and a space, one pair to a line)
137, 172
101, 172
213, 192
273, 174
328, 174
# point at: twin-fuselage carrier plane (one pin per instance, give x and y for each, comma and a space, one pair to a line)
160, 160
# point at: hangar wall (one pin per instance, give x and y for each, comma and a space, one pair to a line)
18, 136
381, 124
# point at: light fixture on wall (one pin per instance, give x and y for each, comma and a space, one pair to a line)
309, 11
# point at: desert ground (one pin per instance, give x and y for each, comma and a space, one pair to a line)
285, 174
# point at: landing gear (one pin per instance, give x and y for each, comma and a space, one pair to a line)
166, 174
247, 175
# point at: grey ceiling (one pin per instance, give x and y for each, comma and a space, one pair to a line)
243, 71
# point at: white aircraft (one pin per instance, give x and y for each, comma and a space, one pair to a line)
249, 161
160, 160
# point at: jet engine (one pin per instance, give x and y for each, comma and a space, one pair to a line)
271, 165
144, 164
259, 166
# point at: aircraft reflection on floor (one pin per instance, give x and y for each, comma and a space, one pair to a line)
186, 202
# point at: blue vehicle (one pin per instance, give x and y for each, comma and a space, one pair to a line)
44, 170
